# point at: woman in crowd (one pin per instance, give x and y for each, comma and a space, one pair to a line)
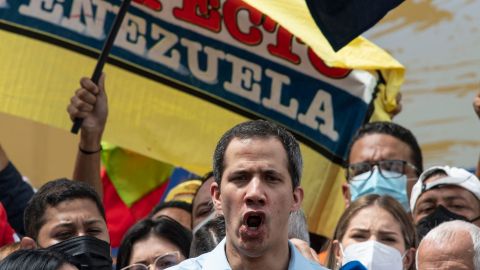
162, 243
376, 231
38, 259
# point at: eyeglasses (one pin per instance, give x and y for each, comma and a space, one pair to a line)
161, 262
387, 168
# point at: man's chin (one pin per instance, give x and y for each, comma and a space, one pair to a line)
251, 240
251, 249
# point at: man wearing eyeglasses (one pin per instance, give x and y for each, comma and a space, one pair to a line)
384, 158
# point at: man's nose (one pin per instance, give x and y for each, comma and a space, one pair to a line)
255, 193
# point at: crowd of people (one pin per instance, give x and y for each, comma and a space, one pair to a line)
246, 213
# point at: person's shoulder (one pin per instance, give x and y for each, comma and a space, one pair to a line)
315, 266
299, 262
306, 264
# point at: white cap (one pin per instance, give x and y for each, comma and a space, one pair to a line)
455, 176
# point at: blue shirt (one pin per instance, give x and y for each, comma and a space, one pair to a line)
217, 260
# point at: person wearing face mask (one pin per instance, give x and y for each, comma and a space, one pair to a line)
384, 158
444, 193
68, 217
376, 232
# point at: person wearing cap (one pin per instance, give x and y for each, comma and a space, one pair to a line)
444, 193
184, 191
178, 203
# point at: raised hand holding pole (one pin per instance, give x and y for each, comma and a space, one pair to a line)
77, 123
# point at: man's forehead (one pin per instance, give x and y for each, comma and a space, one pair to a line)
459, 243
434, 178
203, 193
255, 146
246, 140
382, 146
72, 207
265, 153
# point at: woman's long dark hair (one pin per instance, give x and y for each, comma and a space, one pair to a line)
164, 227
38, 259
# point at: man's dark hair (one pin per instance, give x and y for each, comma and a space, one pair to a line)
264, 130
38, 259
396, 131
50, 195
164, 227
208, 236
171, 204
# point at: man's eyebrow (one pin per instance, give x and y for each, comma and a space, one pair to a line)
202, 204
455, 197
238, 171
271, 171
68, 224
427, 199
92, 221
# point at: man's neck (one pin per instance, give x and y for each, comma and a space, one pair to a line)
276, 258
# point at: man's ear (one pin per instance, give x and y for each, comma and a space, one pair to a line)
346, 194
215, 193
27, 243
297, 198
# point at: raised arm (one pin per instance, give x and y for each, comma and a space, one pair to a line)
14, 192
90, 104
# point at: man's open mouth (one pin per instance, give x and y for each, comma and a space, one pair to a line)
253, 220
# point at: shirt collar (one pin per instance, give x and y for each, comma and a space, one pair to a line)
217, 258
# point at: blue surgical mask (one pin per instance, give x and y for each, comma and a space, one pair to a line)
381, 184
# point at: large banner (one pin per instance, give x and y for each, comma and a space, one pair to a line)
184, 71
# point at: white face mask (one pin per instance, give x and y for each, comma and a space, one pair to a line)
373, 255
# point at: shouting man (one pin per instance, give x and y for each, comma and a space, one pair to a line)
257, 169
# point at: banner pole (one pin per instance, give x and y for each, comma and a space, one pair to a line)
107, 46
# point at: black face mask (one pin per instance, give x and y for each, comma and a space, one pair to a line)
86, 252
440, 215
